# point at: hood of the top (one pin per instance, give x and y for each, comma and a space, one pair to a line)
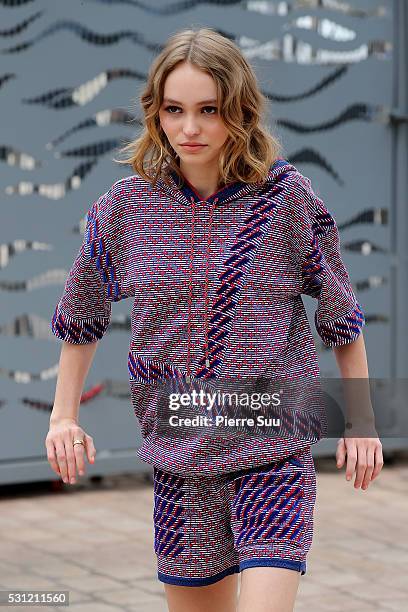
186, 193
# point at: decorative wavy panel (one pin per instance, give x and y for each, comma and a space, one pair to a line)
324, 65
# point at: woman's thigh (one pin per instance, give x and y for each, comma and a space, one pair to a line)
272, 513
222, 596
268, 589
193, 540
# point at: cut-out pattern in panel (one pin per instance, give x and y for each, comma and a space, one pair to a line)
13, 157
319, 87
51, 277
91, 150
310, 156
294, 50
24, 377
355, 112
14, 3
324, 27
363, 247
81, 95
87, 35
106, 388
20, 27
373, 216
56, 191
28, 325
7, 251
100, 119
6, 77
33, 326
264, 7
372, 282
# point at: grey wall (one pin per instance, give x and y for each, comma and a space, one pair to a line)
332, 76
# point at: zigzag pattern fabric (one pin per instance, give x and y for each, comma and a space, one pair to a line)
347, 327
235, 301
233, 278
169, 515
209, 527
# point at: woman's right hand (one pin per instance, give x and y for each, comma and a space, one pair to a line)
63, 457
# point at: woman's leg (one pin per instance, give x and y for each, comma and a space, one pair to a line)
268, 589
222, 596
272, 521
197, 562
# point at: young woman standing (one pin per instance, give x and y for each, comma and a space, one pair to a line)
216, 237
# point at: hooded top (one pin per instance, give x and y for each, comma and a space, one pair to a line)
216, 287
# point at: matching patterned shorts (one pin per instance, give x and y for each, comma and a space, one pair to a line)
207, 527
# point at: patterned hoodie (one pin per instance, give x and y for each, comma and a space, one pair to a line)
216, 287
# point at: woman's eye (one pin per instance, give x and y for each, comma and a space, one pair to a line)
214, 108
170, 109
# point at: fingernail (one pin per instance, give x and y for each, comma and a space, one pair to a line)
348, 477
72, 480
81, 472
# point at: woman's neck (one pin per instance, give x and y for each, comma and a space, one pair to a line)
205, 182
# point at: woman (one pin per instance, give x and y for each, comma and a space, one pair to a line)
215, 237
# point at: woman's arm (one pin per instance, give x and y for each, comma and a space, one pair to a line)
364, 452
74, 364
64, 458
352, 359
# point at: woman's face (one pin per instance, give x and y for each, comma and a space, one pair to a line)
189, 113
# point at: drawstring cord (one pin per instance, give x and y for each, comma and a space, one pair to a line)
206, 287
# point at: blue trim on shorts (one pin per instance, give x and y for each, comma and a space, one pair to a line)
197, 581
298, 566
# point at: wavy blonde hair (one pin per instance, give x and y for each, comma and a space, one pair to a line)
250, 148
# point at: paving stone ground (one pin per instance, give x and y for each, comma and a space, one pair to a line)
95, 539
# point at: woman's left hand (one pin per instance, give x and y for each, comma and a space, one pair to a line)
364, 456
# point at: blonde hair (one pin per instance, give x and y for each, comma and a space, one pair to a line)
250, 148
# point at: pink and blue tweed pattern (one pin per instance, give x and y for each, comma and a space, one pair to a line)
270, 244
209, 527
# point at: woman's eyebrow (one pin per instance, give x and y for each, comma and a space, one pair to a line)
198, 103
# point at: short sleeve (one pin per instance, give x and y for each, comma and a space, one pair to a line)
315, 239
83, 312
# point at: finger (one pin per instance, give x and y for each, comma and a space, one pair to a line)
351, 458
370, 467
361, 462
379, 461
69, 451
51, 456
61, 459
340, 453
90, 448
79, 453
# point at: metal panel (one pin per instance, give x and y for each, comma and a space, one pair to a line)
333, 71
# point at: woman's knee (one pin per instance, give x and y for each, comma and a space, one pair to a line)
268, 589
222, 596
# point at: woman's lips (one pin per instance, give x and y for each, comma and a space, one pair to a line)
193, 147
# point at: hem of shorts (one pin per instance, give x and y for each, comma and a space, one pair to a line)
178, 580
298, 566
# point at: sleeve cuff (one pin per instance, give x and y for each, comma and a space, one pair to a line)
78, 331
342, 330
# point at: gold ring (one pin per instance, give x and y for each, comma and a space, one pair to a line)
77, 442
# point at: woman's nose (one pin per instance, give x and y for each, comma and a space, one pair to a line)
190, 127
